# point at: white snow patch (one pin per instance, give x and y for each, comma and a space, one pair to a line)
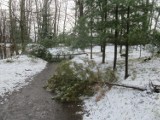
122, 104
13, 74
63, 50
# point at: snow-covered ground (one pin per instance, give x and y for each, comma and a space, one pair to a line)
15, 71
117, 103
122, 103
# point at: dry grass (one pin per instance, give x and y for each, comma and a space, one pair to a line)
100, 94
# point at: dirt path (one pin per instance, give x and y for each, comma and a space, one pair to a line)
34, 103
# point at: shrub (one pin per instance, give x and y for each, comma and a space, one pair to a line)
47, 43
73, 80
40, 52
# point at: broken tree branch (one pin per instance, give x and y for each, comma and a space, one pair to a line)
152, 88
126, 86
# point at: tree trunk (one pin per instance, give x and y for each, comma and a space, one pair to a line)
91, 44
81, 8
140, 51
125, 86
12, 37
23, 25
104, 20
55, 18
4, 34
38, 18
104, 51
59, 14
152, 88
65, 18
1, 41
91, 28
116, 38
45, 20
127, 41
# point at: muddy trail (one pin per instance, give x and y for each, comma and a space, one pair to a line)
34, 103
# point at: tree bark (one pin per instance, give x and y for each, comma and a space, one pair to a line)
127, 41
126, 86
45, 20
22, 25
116, 38
59, 14
65, 18
81, 8
4, 33
55, 18
12, 37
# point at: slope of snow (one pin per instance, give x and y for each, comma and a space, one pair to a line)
121, 103
13, 74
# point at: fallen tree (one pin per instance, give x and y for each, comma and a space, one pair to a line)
150, 89
71, 81
126, 86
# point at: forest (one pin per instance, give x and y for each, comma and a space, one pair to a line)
94, 22
104, 54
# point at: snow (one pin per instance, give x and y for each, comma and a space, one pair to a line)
122, 103
17, 72
63, 50
143, 72
133, 54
